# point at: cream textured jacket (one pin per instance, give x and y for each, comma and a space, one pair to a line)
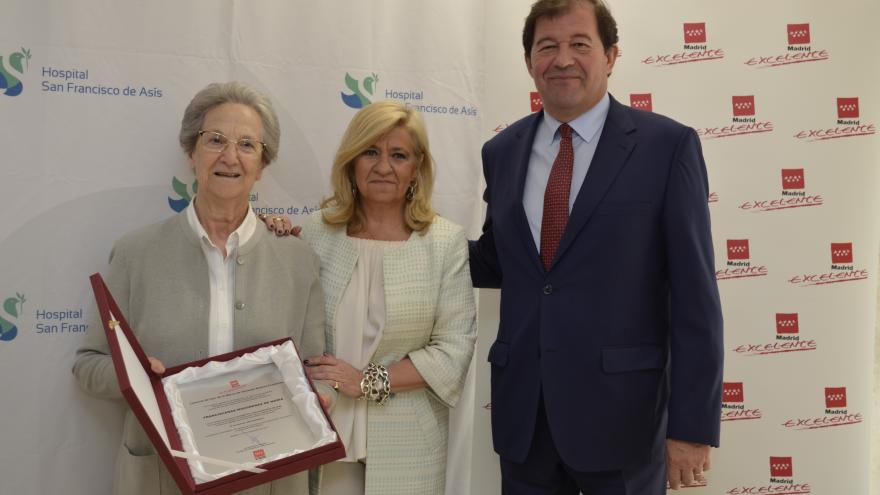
159, 277
430, 317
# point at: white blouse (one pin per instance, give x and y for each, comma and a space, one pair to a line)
360, 320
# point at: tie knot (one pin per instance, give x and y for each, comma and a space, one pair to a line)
565, 131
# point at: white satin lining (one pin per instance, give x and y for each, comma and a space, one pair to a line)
287, 360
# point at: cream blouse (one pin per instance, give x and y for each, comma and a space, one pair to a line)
360, 318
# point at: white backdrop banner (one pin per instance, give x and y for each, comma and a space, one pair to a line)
783, 94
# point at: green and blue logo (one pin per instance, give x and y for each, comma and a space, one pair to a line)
357, 99
184, 196
11, 85
12, 306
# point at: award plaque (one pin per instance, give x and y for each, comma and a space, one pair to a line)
225, 423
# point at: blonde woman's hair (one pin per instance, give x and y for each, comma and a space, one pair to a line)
367, 126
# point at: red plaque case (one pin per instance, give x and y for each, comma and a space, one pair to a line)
112, 318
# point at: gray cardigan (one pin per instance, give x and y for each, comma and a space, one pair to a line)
158, 275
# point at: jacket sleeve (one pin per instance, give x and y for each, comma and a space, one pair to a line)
696, 329
484, 266
93, 366
444, 361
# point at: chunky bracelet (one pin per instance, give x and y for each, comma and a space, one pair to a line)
376, 384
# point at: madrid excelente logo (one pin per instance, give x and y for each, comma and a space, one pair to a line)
9, 84
184, 197
12, 306
357, 99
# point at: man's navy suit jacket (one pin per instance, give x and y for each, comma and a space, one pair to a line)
623, 335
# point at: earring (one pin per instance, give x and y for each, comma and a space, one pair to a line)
410, 191
354, 191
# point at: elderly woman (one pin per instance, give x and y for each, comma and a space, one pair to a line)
207, 281
399, 308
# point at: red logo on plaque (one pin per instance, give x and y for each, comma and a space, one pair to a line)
234, 384
792, 178
835, 397
841, 252
259, 454
737, 249
536, 101
641, 101
787, 323
847, 108
732, 392
798, 34
743, 106
781, 466
695, 32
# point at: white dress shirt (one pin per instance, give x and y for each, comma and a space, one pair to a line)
587, 128
221, 273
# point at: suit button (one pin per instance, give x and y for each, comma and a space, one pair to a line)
239, 260
548, 289
239, 305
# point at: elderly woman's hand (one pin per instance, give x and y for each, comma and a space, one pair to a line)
280, 224
343, 376
156, 366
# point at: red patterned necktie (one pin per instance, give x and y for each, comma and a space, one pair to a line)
556, 198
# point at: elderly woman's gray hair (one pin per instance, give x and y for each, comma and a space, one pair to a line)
216, 94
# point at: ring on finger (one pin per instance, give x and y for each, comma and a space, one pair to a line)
335, 385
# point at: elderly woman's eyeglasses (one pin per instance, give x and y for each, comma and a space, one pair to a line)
215, 142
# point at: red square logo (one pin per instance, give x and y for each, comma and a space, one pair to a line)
835, 396
536, 101
799, 34
847, 108
743, 106
641, 101
732, 392
737, 249
259, 454
781, 466
841, 252
792, 178
695, 32
787, 323
234, 384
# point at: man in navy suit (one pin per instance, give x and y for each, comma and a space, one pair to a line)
607, 366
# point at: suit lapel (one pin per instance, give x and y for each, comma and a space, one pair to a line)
520, 154
612, 151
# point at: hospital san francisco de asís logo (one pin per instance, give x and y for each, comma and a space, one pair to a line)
15, 62
183, 194
793, 194
12, 307
799, 49
357, 98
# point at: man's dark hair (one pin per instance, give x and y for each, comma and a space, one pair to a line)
554, 8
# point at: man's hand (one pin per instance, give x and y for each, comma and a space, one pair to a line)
281, 225
686, 462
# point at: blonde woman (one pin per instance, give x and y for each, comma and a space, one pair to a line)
399, 309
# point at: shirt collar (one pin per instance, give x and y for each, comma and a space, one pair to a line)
238, 237
585, 125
